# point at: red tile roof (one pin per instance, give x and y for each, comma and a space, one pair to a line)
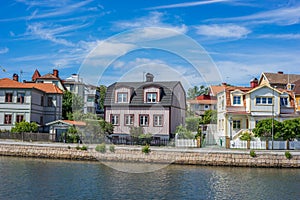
75, 123
215, 89
45, 87
203, 101
35, 75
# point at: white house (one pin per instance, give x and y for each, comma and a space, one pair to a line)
240, 108
32, 102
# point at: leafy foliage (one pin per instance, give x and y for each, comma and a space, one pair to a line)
112, 148
136, 131
195, 91
290, 129
23, 127
288, 155
192, 123
102, 90
101, 148
264, 128
210, 117
252, 154
146, 149
245, 136
71, 103
183, 133
71, 136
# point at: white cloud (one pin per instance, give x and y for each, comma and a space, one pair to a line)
223, 31
187, 4
280, 36
281, 16
154, 19
4, 50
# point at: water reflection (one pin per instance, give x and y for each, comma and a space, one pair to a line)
53, 179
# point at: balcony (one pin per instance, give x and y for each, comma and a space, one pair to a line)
236, 109
287, 110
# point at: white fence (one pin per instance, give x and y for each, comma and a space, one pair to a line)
185, 143
277, 145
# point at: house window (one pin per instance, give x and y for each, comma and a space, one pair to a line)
206, 107
144, 120
7, 119
114, 120
72, 88
91, 98
129, 120
236, 124
283, 101
236, 100
50, 101
20, 97
8, 97
19, 118
122, 97
157, 120
151, 97
90, 109
264, 100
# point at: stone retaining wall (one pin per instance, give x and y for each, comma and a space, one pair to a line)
263, 159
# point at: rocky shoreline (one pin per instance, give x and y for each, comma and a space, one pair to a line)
165, 155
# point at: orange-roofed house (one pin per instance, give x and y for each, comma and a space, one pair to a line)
201, 103
32, 102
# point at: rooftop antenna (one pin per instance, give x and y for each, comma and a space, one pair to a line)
144, 76
21, 74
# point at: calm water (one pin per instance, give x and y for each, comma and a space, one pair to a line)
50, 179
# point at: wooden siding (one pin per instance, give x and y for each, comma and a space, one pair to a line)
137, 111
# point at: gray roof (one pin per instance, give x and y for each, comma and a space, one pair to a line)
138, 89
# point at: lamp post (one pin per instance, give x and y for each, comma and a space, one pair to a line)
273, 110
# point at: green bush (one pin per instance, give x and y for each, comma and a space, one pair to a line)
288, 155
101, 148
146, 149
78, 147
252, 153
245, 136
112, 148
84, 148
192, 123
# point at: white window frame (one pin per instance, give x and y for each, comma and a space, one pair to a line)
158, 120
234, 98
261, 101
115, 119
153, 97
129, 120
122, 97
143, 120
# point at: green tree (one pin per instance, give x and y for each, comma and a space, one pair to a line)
23, 127
183, 133
210, 117
102, 90
192, 123
264, 128
245, 136
71, 103
195, 91
136, 131
290, 129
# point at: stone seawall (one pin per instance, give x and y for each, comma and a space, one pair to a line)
163, 155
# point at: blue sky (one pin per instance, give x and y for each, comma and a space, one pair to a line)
243, 38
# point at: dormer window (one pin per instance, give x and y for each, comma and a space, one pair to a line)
236, 100
122, 97
151, 97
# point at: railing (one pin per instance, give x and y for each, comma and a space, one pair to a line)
26, 136
185, 143
277, 145
140, 141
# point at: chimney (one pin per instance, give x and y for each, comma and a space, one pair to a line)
55, 73
280, 72
224, 84
149, 77
16, 77
254, 83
